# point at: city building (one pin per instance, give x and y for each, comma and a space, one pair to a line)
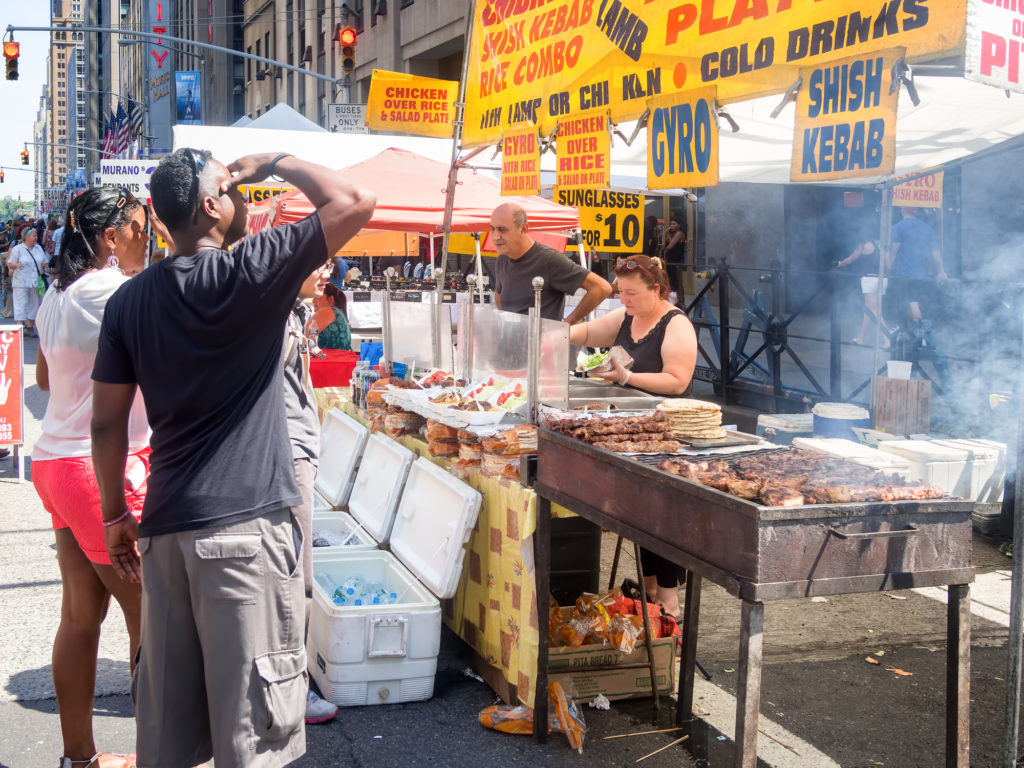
67, 62
422, 37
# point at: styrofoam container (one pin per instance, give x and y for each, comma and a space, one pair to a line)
781, 428
934, 464
343, 525
385, 654
379, 482
992, 492
858, 453
373, 654
982, 460
898, 369
342, 440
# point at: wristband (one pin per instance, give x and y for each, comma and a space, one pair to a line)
273, 163
625, 380
116, 520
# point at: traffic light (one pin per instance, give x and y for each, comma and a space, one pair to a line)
1, 177
347, 40
24, 157
11, 51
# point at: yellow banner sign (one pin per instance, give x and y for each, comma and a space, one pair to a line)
404, 103
846, 119
612, 222
535, 61
682, 140
260, 193
520, 162
584, 148
922, 192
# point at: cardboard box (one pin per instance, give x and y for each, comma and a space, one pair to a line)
615, 684
903, 406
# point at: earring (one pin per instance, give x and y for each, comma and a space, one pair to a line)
113, 262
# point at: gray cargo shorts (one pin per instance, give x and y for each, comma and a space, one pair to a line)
222, 665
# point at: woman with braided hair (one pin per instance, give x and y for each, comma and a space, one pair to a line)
105, 241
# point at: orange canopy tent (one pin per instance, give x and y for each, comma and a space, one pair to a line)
410, 192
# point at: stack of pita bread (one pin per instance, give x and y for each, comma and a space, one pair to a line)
693, 418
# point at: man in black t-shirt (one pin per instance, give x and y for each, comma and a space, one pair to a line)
222, 666
520, 259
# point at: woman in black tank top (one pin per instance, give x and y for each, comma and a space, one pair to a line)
663, 345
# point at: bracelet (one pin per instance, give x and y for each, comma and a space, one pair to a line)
116, 520
273, 163
626, 380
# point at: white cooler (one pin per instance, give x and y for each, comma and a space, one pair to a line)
387, 654
342, 527
342, 440
858, 453
983, 468
934, 464
374, 499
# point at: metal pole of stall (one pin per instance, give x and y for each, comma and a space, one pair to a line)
581, 247
1013, 673
385, 324
453, 170
435, 328
532, 391
885, 244
479, 268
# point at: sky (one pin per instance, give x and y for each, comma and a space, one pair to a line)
20, 98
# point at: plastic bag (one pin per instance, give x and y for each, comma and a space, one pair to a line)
564, 715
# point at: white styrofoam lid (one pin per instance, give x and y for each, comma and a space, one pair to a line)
435, 516
379, 484
976, 450
794, 422
848, 449
922, 450
341, 445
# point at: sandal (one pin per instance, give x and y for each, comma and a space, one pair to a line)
127, 761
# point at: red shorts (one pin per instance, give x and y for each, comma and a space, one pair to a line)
68, 490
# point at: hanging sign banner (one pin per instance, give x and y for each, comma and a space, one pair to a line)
682, 140
612, 222
922, 192
845, 124
584, 147
995, 42
520, 162
404, 103
538, 62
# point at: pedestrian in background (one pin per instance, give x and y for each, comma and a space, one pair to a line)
26, 264
304, 436
108, 234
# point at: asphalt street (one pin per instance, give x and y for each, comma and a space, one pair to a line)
823, 704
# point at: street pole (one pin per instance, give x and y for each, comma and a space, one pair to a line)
159, 38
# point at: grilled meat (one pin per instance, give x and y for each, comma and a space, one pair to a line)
795, 477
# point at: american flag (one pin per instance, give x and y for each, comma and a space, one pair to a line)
123, 129
109, 137
134, 116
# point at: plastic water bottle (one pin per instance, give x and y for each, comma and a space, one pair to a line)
375, 593
353, 586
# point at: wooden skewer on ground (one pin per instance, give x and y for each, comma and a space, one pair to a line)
639, 733
681, 738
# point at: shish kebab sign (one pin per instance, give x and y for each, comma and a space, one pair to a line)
846, 119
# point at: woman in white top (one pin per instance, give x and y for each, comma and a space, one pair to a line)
105, 241
26, 262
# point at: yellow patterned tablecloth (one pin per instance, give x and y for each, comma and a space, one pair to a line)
495, 608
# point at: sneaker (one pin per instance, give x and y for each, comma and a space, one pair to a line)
317, 710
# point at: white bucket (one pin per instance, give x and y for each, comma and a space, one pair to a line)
898, 369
